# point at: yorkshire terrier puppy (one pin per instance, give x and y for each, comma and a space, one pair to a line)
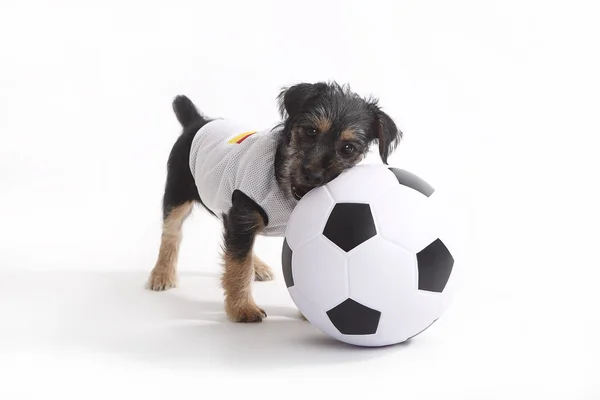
251, 180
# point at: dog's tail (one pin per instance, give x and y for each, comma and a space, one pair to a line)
185, 111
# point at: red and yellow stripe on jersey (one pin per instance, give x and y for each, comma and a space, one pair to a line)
241, 137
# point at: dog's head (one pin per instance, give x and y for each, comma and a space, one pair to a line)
328, 129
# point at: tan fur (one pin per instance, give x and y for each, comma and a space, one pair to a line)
323, 124
237, 284
348, 135
236, 281
164, 274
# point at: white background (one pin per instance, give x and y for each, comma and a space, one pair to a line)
499, 104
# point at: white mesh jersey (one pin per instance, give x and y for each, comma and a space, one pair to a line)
225, 157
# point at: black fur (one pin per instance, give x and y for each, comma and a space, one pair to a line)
186, 111
292, 100
386, 132
241, 224
180, 187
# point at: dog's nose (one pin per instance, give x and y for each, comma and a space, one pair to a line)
313, 178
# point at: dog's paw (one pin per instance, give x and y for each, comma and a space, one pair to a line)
262, 272
159, 281
247, 312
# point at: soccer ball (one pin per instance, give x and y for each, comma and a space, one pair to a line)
366, 257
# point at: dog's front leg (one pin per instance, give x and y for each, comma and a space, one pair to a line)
241, 225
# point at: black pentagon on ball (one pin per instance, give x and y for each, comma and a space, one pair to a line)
353, 318
349, 225
286, 263
435, 266
412, 181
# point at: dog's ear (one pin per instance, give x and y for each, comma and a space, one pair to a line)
386, 132
291, 100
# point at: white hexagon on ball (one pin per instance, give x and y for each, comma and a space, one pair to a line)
321, 272
396, 267
310, 217
416, 225
375, 182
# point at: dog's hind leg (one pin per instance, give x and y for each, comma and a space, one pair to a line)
164, 274
262, 271
180, 195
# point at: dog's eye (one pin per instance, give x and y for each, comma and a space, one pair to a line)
311, 131
348, 149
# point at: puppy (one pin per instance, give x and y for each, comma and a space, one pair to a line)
251, 180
